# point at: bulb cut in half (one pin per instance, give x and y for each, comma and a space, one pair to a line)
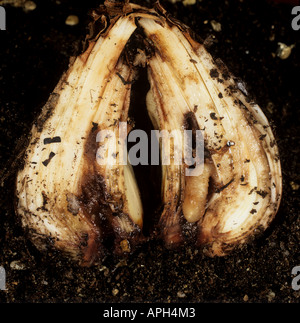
77, 190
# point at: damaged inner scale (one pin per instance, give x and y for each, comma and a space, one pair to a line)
144, 69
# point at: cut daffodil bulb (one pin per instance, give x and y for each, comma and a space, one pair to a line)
65, 194
239, 190
77, 189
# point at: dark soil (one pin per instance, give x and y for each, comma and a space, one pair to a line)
35, 50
